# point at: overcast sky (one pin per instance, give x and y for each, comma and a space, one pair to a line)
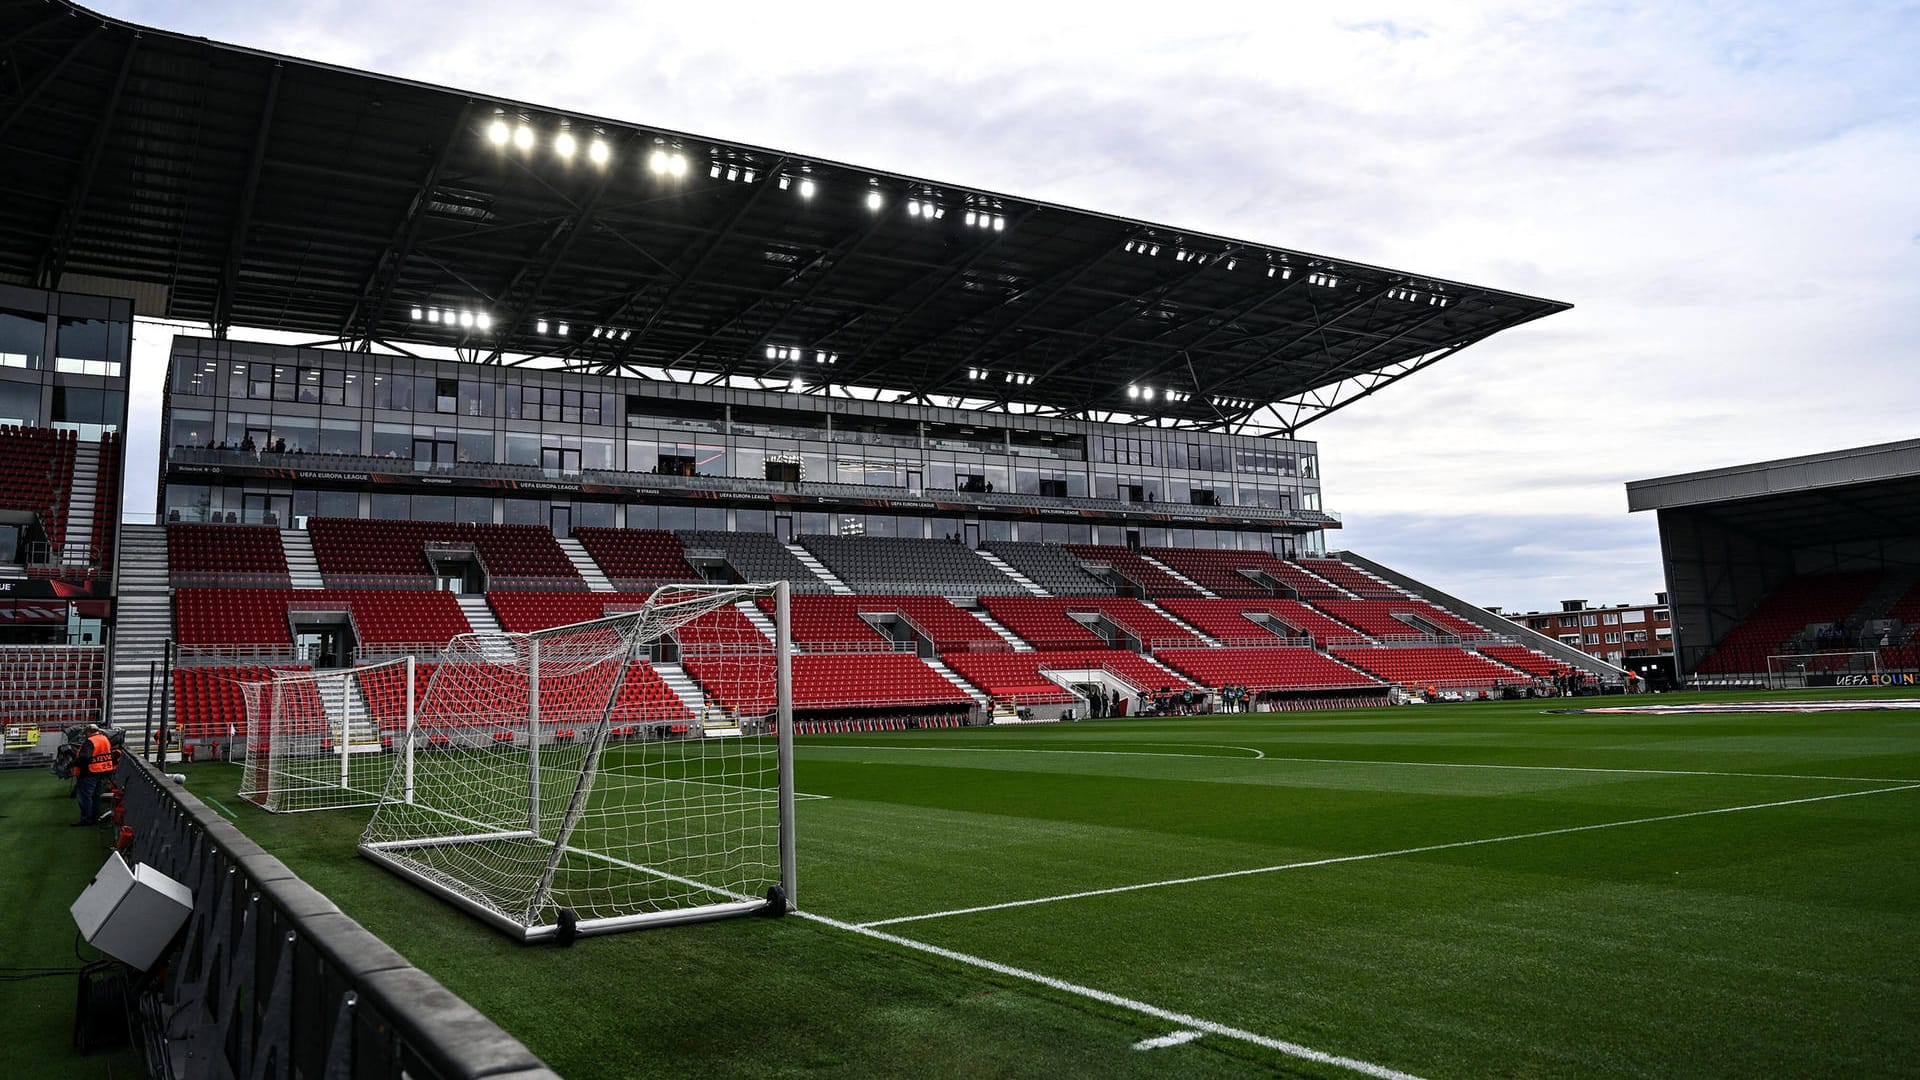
1728, 193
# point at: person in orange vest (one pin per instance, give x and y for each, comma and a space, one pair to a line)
93, 762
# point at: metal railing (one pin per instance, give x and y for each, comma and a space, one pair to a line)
272, 979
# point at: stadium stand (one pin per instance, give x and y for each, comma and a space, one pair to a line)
52, 686
1282, 668
1049, 566
1539, 665
1390, 619
525, 612
1018, 675
208, 703
755, 558
1230, 572
834, 623
261, 616
36, 475
1137, 573
1444, 666
356, 553
1784, 614
225, 554
828, 681
1047, 622
1230, 621
885, 564
637, 559
1349, 577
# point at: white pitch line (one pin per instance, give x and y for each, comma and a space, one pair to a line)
1174, 1038
1291, 1049
1374, 761
1375, 855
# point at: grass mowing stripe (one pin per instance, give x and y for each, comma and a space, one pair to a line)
1259, 756
1335, 860
222, 806
1291, 1049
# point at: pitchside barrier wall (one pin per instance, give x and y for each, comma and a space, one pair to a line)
274, 979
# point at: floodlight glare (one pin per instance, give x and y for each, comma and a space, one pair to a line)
1133, 391
483, 320
497, 133
913, 208
1146, 393
466, 318
598, 152
657, 161
806, 189
677, 165
874, 200
523, 137
563, 144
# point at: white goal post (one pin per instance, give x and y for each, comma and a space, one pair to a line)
1792, 670
553, 784
319, 740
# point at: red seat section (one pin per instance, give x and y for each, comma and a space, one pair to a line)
826, 681
525, 612
106, 504
52, 687
1018, 675
1151, 580
470, 696
1519, 656
260, 616
1234, 621
825, 623
231, 553
637, 558
1351, 578
1404, 618
1263, 670
1442, 665
1225, 572
208, 702
355, 551
1790, 608
36, 475
1047, 622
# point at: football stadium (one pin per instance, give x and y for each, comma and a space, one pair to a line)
621, 602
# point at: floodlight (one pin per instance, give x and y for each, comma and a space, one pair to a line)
1155, 250
806, 189
416, 314
677, 165
1133, 391
433, 315
733, 175
874, 200
657, 161
746, 176
540, 326
999, 224
785, 181
939, 211
523, 137
564, 330
713, 171
596, 331
483, 320
625, 334
466, 318
971, 216
598, 152
497, 133
563, 144
796, 387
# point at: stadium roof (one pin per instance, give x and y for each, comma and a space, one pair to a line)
1869, 492
228, 186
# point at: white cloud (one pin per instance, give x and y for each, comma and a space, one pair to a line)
1724, 190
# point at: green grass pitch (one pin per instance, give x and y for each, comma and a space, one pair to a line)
1453, 891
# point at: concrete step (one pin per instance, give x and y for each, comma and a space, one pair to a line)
1019, 578
1177, 576
596, 579
303, 564
953, 677
994, 625
819, 569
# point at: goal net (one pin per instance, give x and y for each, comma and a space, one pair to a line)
1790, 670
318, 740
562, 782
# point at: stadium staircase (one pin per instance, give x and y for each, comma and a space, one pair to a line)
1178, 576
1178, 621
1880, 603
1481, 617
995, 626
1019, 578
819, 569
757, 617
303, 566
966, 687
84, 497
589, 570
143, 624
479, 615
682, 685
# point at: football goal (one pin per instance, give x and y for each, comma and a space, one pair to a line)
1792, 670
574, 781
320, 740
